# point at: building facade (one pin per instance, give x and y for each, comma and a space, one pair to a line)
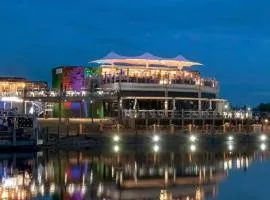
80, 81
14, 89
142, 83
147, 82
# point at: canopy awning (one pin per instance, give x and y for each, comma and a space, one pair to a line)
146, 59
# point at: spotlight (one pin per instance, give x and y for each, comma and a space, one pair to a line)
156, 148
263, 147
192, 138
116, 148
156, 138
230, 138
263, 137
116, 138
192, 148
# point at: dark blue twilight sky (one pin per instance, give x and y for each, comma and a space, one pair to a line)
230, 37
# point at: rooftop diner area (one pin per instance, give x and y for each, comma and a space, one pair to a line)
150, 69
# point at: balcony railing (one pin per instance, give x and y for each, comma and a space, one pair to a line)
55, 93
208, 82
160, 114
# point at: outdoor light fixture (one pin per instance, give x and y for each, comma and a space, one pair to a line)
192, 148
156, 148
263, 137
192, 138
230, 147
230, 138
116, 138
262, 146
156, 138
116, 148
11, 99
31, 111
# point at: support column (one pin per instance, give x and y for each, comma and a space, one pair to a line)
203, 124
135, 104
80, 129
172, 128
213, 125
174, 108
146, 123
182, 121
224, 126
14, 139
199, 105
25, 107
166, 176
210, 104
166, 107
200, 101
120, 109
81, 109
190, 128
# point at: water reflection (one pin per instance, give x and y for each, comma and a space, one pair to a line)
192, 175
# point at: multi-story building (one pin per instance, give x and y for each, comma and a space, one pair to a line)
148, 82
13, 90
143, 83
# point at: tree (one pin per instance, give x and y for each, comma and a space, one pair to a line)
263, 107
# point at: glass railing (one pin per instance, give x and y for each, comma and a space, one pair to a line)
177, 81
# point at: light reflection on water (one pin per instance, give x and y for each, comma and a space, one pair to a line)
93, 174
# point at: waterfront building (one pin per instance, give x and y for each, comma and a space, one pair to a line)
77, 81
148, 82
14, 89
142, 83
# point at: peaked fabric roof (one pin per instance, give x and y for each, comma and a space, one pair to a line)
147, 56
112, 55
146, 59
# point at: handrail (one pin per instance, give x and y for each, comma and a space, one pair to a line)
183, 114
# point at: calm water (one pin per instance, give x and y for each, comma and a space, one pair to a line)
136, 174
